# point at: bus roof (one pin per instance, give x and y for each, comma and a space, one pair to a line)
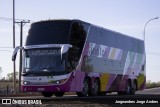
77, 20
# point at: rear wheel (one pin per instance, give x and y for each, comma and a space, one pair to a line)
130, 88
134, 87
95, 89
121, 93
47, 94
59, 94
103, 93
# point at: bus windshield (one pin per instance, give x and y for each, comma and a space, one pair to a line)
43, 60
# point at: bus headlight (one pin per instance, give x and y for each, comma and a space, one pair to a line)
25, 83
60, 81
57, 82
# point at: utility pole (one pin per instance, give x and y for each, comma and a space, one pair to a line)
14, 65
21, 24
145, 27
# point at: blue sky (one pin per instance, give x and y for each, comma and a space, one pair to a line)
125, 16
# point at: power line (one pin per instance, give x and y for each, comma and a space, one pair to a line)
7, 47
6, 50
5, 19
11, 19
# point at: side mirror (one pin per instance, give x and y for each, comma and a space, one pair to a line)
15, 52
64, 49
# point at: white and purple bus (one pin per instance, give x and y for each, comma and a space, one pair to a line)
74, 56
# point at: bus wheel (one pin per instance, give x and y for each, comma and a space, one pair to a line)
95, 90
121, 93
128, 88
59, 94
85, 89
131, 88
47, 94
134, 87
102, 93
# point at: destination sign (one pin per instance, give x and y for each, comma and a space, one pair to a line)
44, 51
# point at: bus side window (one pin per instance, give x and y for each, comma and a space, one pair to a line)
77, 40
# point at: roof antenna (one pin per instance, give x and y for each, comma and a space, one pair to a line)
49, 16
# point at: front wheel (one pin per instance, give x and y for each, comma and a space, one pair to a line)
47, 94
59, 94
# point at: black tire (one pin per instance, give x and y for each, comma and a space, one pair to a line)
134, 87
102, 93
95, 88
59, 94
128, 88
85, 89
121, 93
47, 94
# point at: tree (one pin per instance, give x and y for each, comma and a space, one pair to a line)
11, 75
148, 83
153, 85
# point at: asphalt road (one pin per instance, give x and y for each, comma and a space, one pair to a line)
148, 97
154, 91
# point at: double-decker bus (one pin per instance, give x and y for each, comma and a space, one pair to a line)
74, 56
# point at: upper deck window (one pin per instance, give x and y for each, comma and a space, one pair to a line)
49, 32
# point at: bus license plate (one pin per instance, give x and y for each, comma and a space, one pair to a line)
40, 89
